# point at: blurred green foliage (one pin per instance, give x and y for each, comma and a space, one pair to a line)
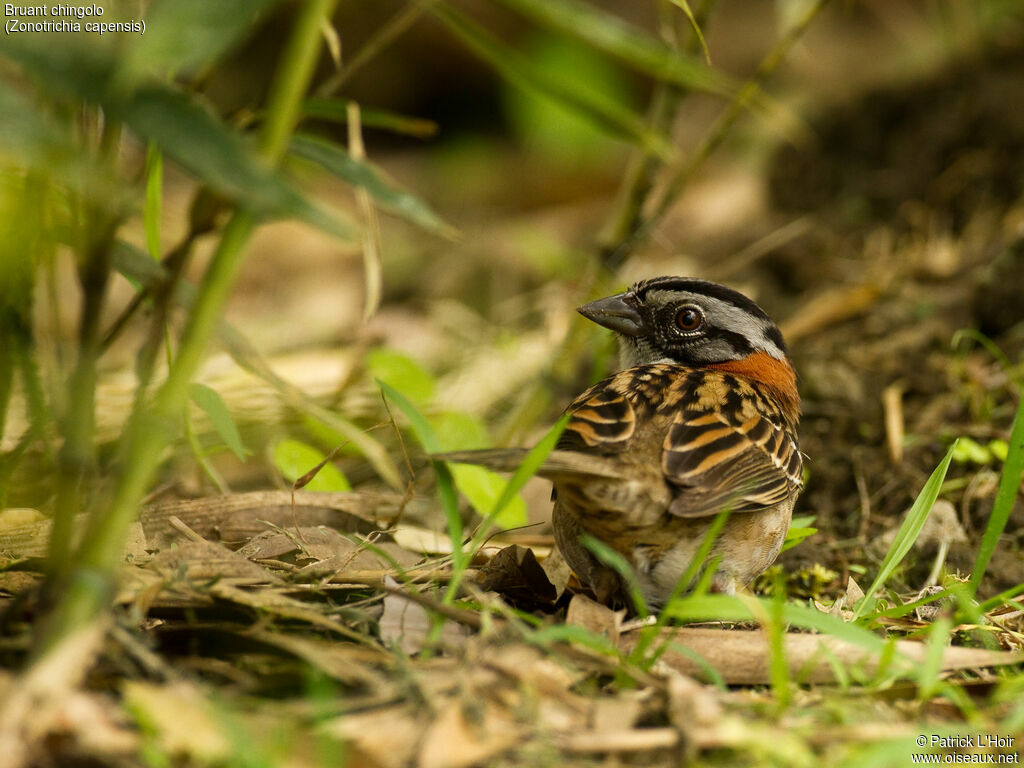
544, 125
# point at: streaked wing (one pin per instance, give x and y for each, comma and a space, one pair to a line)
717, 463
600, 417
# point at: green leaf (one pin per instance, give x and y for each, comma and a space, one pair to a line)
795, 535
970, 450
194, 138
154, 199
543, 125
614, 560
483, 489
459, 431
183, 36
1006, 495
607, 115
294, 459
730, 608
908, 530
628, 43
403, 373
531, 464
697, 31
336, 111
365, 175
214, 407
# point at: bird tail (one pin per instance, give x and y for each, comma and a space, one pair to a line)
556, 464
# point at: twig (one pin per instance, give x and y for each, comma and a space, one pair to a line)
394, 28
892, 404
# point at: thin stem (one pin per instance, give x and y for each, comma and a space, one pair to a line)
394, 28
77, 454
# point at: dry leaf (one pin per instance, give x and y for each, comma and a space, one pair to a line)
204, 560
454, 741
557, 570
388, 737
598, 619
515, 574
234, 518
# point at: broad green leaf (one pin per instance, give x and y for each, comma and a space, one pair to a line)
908, 530
403, 373
630, 44
199, 142
336, 111
183, 36
970, 450
214, 407
531, 464
563, 136
459, 431
795, 535
365, 175
483, 488
607, 115
294, 459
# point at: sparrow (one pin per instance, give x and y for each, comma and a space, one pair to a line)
701, 419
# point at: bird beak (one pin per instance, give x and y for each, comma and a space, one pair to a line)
617, 312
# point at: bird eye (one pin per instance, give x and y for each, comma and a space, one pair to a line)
689, 318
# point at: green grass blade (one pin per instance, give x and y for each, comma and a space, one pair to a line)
631, 45
603, 113
730, 608
697, 31
608, 556
1006, 494
213, 405
908, 531
928, 681
154, 199
533, 461
364, 175
445, 483
336, 111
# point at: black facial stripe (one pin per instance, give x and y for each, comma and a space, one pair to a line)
705, 287
775, 336
740, 343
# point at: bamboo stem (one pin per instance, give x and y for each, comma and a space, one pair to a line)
150, 429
